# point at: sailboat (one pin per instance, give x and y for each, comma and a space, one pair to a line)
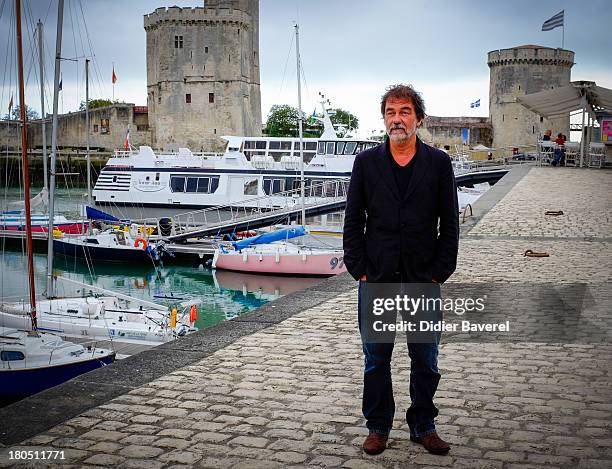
31, 360
96, 317
271, 253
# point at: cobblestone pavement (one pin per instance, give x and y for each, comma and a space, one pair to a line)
289, 396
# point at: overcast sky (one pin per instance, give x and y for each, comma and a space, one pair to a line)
351, 49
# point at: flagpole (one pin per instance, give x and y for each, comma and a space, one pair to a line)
563, 34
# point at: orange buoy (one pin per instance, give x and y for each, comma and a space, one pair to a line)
142, 241
173, 315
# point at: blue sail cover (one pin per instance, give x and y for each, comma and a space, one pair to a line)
265, 238
95, 214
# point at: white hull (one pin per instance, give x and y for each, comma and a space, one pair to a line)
97, 318
281, 258
241, 174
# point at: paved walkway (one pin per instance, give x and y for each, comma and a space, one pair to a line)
289, 395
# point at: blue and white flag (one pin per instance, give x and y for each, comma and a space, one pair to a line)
475, 103
554, 22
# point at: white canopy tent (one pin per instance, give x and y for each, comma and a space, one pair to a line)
584, 95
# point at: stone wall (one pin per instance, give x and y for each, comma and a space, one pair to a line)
524, 70
443, 132
203, 73
108, 129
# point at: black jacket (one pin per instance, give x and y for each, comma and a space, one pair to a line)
380, 229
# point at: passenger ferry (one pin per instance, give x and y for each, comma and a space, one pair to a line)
249, 169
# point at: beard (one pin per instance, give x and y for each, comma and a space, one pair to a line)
401, 136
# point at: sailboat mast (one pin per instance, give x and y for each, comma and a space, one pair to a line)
42, 102
300, 122
26, 169
58, 62
87, 131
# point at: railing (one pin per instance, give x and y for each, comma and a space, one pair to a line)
499, 153
275, 205
171, 154
463, 165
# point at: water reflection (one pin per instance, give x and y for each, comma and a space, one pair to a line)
221, 295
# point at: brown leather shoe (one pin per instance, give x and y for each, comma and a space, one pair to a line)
375, 443
432, 443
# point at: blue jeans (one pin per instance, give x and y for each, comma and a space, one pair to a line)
378, 405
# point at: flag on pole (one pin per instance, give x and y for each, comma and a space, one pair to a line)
554, 22
475, 103
312, 120
10, 108
114, 79
59, 88
126, 143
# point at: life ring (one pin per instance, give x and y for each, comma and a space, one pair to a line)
144, 242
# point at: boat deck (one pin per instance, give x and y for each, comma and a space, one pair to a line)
122, 349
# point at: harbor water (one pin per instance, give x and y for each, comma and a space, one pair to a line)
221, 295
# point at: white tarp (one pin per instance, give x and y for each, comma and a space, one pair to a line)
561, 101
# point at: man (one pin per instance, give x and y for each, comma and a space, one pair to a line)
401, 225
547, 134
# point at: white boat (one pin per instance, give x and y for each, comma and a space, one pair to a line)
34, 361
468, 195
250, 167
100, 318
281, 258
269, 254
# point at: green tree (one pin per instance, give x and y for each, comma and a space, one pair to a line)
31, 114
94, 103
282, 121
346, 119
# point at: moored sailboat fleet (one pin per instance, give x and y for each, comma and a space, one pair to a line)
33, 356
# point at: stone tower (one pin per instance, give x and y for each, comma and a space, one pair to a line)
524, 70
203, 73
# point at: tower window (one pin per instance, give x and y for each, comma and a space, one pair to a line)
503, 116
188, 98
533, 129
215, 131
178, 42
206, 50
541, 119
211, 97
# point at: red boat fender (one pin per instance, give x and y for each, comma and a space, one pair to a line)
193, 313
144, 242
246, 234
